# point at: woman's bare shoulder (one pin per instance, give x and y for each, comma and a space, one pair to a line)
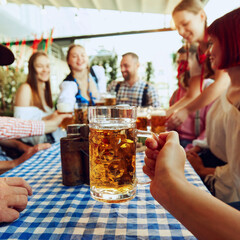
23, 95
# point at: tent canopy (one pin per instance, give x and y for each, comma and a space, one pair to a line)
144, 6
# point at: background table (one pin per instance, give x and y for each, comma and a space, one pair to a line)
59, 212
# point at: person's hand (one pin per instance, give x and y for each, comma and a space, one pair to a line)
30, 151
14, 193
177, 118
195, 149
164, 158
196, 163
53, 122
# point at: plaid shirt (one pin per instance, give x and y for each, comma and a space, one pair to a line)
18, 128
133, 95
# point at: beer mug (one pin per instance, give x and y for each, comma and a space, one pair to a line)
158, 120
64, 108
112, 153
110, 99
142, 118
81, 113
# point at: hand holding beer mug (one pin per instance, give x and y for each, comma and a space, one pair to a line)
158, 120
64, 108
112, 153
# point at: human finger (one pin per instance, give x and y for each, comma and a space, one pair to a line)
151, 143
151, 154
18, 202
42, 146
18, 182
9, 215
148, 172
150, 163
18, 190
169, 136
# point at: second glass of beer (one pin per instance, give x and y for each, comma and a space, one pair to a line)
64, 108
158, 120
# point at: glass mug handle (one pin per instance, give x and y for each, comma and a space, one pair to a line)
142, 133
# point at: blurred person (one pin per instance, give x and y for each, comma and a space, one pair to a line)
205, 216
79, 85
14, 191
98, 74
191, 23
34, 98
223, 119
208, 218
194, 126
132, 90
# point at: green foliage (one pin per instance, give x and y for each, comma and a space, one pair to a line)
109, 62
10, 80
149, 71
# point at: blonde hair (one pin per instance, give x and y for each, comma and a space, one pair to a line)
193, 6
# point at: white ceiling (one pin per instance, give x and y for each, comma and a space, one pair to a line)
144, 6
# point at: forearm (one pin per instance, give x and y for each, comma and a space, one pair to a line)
211, 93
183, 102
6, 165
12, 143
204, 215
18, 128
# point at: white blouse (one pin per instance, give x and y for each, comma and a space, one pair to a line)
223, 136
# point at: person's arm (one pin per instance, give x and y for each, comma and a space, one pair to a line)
28, 152
192, 92
15, 144
68, 91
201, 213
14, 193
209, 94
18, 128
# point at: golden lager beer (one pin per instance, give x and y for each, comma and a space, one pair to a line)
113, 162
158, 120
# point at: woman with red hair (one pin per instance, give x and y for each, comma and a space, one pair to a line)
204, 215
223, 119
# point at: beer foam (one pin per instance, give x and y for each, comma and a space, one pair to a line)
158, 113
64, 107
141, 114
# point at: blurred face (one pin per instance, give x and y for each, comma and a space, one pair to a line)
189, 25
215, 52
129, 67
42, 68
78, 59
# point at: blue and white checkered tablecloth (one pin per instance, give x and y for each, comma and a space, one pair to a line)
59, 212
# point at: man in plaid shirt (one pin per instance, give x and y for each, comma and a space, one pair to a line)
132, 90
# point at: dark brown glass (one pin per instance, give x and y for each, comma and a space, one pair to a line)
75, 157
